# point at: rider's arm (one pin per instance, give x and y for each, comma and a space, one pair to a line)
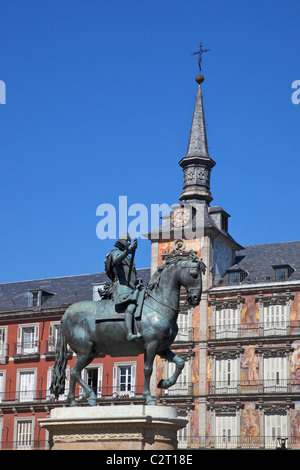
119, 258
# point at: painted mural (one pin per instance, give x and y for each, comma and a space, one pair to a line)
249, 425
249, 370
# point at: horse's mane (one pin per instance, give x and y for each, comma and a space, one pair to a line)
172, 259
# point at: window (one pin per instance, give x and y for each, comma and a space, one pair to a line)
226, 323
184, 330
53, 335
26, 385
24, 434
275, 374
3, 335
235, 277
183, 436
226, 431
182, 385
275, 318
282, 272
93, 377
226, 375
124, 379
28, 336
2, 385
37, 297
34, 298
275, 426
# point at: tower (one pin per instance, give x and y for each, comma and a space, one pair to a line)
194, 225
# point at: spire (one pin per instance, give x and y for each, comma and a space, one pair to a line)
197, 163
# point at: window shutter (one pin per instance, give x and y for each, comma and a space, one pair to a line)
115, 381
19, 341
36, 338
133, 380
99, 381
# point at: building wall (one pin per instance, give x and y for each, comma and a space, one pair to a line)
38, 406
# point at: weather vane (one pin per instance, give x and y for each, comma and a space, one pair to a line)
200, 52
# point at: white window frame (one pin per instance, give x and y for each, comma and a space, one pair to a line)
184, 321
2, 384
29, 393
3, 342
38, 294
226, 431
275, 426
84, 376
227, 322
183, 435
131, 391
182, 385
276, 370
227, 375
275, 318
53, 335
33, 345
24, 433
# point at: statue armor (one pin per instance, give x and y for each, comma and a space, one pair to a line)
124, 290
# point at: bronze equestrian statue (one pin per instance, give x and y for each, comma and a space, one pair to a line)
100, 327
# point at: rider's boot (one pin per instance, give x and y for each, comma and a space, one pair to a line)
129, 323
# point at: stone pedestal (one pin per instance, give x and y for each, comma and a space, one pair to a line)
132, 427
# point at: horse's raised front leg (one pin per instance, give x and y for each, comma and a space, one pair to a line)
149, 356
178, 361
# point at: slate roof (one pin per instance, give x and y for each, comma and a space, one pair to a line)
258, 260
65, 290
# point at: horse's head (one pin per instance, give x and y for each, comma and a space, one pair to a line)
191, 279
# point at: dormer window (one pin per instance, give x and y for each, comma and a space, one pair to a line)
282, 272
34, 298
236, 276
37, 297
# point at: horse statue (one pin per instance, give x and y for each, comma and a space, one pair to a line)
88, 336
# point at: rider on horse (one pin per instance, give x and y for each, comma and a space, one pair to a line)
125, 290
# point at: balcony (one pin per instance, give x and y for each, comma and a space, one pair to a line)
239, 331
184, 335
277, 386
26, 350
184, 389
239, 442
28, 396
50, 350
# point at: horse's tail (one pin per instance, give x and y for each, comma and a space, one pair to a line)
59, 371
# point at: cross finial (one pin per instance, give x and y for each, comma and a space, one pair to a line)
200, 52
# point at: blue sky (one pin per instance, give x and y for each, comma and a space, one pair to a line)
99, 103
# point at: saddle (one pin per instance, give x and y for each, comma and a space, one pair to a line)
106, 310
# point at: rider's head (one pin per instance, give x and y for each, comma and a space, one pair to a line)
123, 241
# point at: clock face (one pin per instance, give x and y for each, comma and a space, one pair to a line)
180, 216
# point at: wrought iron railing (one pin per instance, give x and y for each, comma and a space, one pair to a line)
179, 389
253, 386
26, 348
232, 331
239, 442
25, 444
104, 392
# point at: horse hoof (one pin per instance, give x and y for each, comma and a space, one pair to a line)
74, 403
151, 402
92, 402
162, 384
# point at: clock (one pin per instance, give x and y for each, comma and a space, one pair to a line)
180, 216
